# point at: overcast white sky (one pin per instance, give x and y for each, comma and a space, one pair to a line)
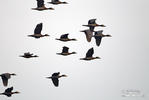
124, 63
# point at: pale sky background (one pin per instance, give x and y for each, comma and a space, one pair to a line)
124, 63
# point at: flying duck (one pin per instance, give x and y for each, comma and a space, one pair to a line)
92, 24
37, 32
56, 2
5, 77
89, 34
8, 92
89, 55
41, 6
65, 52
98, 37
28, 55
55, 78
65, 38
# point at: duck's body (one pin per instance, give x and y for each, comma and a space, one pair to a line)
41, 6
56, 2
88, 34
92, 24
98, 37
28, 55
65, 38
89, 55
8, 92
55, 78
5, 77
37, 32
65, 52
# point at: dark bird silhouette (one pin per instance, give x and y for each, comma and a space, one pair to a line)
5, 77
55, 78
28, 55
41, 6
65, 52
8, 92
37, 32
92, 24
98, 37
89, 55
56, 2
65, 38
88, 34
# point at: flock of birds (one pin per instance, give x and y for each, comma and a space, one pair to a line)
98, 35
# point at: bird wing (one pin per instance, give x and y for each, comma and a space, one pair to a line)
89, 35
5, 80
55, 81
90, 53
38, 29
64, 36
40, 3
65, 49
55, 0
9, 90
92, 21
56, 74
98, 40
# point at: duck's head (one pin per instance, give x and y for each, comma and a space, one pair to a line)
64, 75
13, 74
65, 2
51, 8
102, 25
46, 35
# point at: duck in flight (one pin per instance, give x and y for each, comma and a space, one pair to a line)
89, 55
88, 34
37, 32
56, 2
65, 51
28, 55
65, 38
8, 92
5, 77
98, 37
92, 24
41, 6
55, 78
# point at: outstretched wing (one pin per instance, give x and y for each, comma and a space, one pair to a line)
5, 80
55, 81
65, 49
40, 3
89, 35
64, 36
55, 0
90, 53
8, 90
92, 21
98, 40
38, 29
55, 78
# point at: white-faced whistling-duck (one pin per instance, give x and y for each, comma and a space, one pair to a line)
55, 78
92, 24
65, 38
28, 55
41, 6
37, 32
8, 92
65, 51
98, 37
89, 55
5, 77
